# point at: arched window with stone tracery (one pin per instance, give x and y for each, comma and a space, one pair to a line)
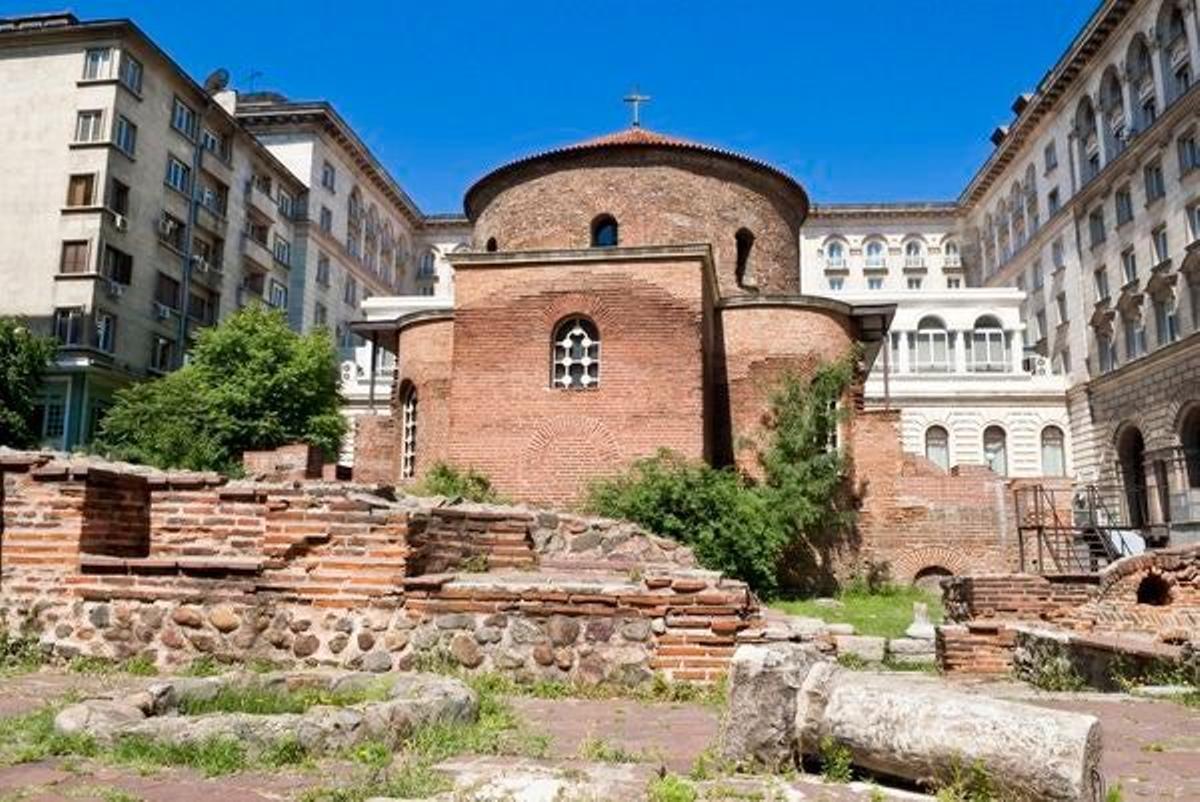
575, 357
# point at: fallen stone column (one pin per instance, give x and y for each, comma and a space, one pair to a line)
915, 729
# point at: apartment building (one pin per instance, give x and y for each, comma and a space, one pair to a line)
1089, 203
138, 205
134, 209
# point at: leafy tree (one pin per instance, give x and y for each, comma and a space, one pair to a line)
251, 383
777, 534
24, 358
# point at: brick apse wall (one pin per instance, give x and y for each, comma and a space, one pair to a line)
113, 561
1152, 597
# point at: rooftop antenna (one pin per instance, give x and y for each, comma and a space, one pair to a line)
636, 100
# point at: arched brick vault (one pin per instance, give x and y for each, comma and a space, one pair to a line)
1179, 406
913, 561
553, 445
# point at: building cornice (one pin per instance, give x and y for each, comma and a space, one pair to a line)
901, 209
1133, 370
321, 116
1051, 89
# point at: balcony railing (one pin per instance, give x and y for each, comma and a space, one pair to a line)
261, 201
257, 252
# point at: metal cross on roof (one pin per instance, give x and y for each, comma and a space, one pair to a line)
636, 100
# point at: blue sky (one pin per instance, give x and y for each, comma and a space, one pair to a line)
866, 100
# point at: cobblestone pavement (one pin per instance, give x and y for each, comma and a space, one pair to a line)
1152, 748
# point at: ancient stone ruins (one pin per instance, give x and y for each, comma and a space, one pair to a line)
356, 590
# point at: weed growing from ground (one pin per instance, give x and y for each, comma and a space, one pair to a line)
19, 654
202, 667
671, 788
973, 784
601, 751
835, 761
258, 700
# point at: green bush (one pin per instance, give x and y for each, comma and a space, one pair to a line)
251, 383
24, 358
717, 513
777, 534
446, 480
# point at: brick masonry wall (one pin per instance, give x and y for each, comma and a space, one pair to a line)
541, 443
295, 461
986, 610
920, 519
760, 345
426, 355
376, 449
320, 574
658, 198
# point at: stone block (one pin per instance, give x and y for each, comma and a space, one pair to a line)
864, 647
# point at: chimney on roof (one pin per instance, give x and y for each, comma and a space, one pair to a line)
998, 134
1021, 102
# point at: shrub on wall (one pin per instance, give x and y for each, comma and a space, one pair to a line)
24, 357
446, 480
251, 384
778, 534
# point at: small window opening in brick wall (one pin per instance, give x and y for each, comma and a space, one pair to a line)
116, 516
1153, 590
491, 246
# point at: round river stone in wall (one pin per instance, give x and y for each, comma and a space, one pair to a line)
223, 618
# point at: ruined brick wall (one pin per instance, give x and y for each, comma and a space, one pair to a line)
295, 461
376, 449
544, 444
1153, 596
657, 198
320, 574
922, 520
760, 344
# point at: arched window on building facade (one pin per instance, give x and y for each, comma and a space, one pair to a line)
408, 411
1054, 455
874, 253
744, 241
914, 254
605, 232
575, 354
995, 450
835, 254
932, 350
988, 347
937, 446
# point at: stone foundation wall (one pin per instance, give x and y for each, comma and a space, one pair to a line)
337, 574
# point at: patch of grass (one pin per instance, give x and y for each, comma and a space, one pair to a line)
262, 701
1056, 674
836, 759
1115, 794
671, 788
602, 751
140, 666
852, 662
211, 756
447, 480
118, 795
885, 611
19, 654
204, 666
410, 774
90, 664
30, 737
285, 752
972, 784
659, 689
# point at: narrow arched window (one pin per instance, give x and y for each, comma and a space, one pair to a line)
408, 412
576, 354
995, 450
604, 231
937, 446
875, 254
491, 246
1054, 461
835, 254
745, 244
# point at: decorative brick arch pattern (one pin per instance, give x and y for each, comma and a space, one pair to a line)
553, 467
910, 563
595, 307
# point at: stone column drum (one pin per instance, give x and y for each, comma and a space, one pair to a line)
908, 727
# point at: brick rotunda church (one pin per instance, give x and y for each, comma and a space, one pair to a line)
624, 294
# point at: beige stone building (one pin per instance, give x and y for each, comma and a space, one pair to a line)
1089, 203
138, 205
